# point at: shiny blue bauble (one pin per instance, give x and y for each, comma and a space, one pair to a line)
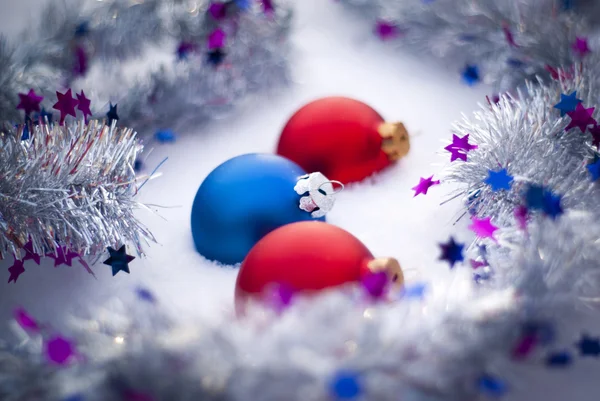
241, 201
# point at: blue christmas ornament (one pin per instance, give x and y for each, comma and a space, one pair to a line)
249, 196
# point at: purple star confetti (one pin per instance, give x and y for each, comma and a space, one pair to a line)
84, 105
459, 147
26, 321
375, 284
424, 185
217, 10
63, 256
267, 6
29, 102
216, 39
581, 117
30, 254
595, 131
581, 46
59, 350
15, 271
65, 105
483, 228
386, 30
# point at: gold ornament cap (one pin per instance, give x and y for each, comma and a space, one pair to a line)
396, 142
391, 267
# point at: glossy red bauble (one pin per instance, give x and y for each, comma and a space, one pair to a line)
307, 257
343, 138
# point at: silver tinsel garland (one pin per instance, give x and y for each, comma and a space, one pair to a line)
106, 38
71, 186
508, 41
527, 136
442, 346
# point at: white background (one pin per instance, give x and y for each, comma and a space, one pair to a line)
333, 55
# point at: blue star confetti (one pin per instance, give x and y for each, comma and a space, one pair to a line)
534, 197
552, 206
243, 4
499, 180
567, 103
138, 165
145, 295
559, 359
452, 252
594, 170
82, 29
492, 386
345, 385
588, 346
165, 136
471, 75
215, 57
118, 260
539, 198
414, 291
112, 114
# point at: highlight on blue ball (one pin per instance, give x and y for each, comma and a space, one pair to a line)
241, 201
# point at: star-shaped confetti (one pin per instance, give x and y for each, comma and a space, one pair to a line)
462, 143
185, 48
452, 252
216, 40
559, 359
476, 264
215, 57
595, 131
29, 102
414, 291
491, 385
217, 10
581, 46
456, 154
510, 39
552, 205
25, 320
581, 118
594, 170
59, 350
145, 295
165, 136
15, 271
30, 254
243, 4
118, 260
471, 75
499, 180
267, 6
483, 228
65, 105
521, 216
375, 283
84, 105
345, 385
534, 197
386, 30
112, 114
62, 256
424, 185
589, 346
567, 103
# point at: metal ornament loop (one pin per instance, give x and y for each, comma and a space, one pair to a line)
319, 193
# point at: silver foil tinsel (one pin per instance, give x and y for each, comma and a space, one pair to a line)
71, 186
434, 348
115, 36
509, 41
526, 136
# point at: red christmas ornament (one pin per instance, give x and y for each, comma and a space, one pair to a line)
343, 138
307, 257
